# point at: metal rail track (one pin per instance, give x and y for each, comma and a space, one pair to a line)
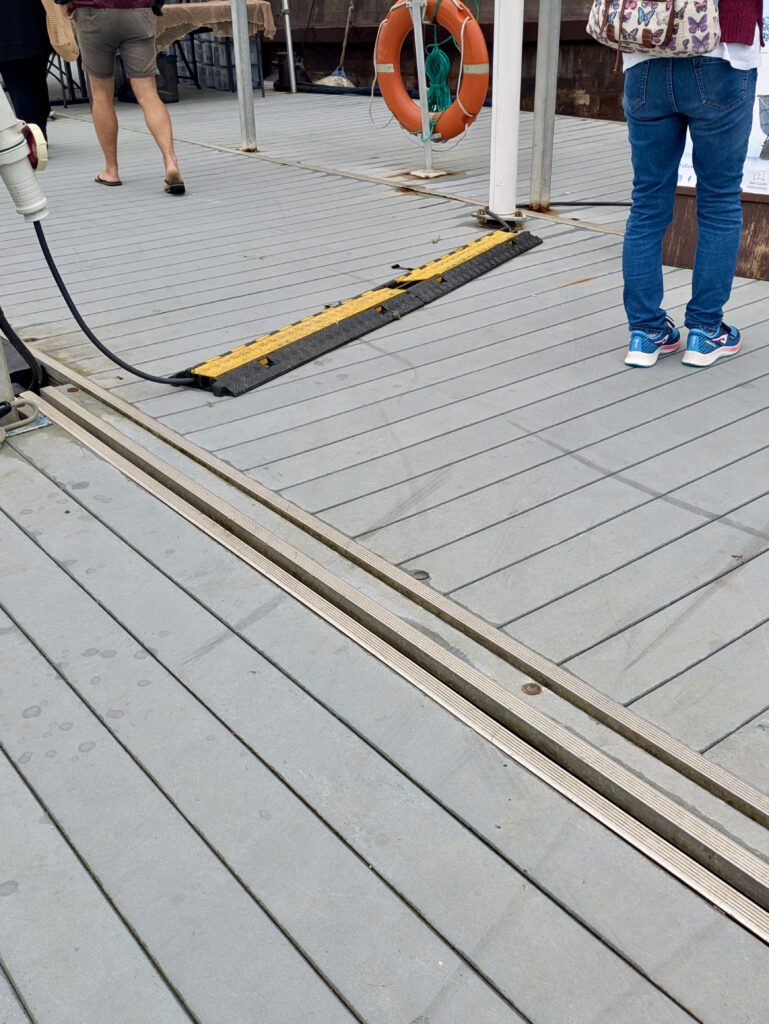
700, 856
626, 723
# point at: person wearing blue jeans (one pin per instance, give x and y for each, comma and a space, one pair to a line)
712, 96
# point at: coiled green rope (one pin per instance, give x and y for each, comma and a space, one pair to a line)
437, 69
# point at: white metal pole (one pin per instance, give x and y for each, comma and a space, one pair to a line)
289, 45
242, 48
545, 94
505, 111
417, 7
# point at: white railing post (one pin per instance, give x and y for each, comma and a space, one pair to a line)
505, 111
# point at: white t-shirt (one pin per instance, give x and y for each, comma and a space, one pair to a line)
739, 55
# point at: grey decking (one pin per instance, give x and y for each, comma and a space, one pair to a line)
215, 821
614, 520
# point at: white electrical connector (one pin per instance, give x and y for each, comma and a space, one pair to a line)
16, 168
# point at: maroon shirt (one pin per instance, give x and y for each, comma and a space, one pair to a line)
115, 5
739, 19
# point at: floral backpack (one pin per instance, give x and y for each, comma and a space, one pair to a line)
667, 28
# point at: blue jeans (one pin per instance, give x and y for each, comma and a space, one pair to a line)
664, 97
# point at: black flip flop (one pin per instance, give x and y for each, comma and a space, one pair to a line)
110, 184
174, 188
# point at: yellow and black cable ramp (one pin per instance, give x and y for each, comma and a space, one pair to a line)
271, 355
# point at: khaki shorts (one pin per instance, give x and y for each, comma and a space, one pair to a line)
102, 33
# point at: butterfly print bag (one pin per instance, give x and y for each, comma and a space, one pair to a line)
667, 28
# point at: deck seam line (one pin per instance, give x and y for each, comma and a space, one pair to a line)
466, 458
17, 993
652, 494
758, 714
699, 589
716, 650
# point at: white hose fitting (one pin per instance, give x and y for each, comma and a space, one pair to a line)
15, 168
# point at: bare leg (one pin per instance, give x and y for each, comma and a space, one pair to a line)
158, 122
105, 123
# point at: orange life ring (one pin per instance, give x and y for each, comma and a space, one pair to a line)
474, 76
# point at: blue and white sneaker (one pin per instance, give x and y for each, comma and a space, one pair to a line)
645, 349
703, 347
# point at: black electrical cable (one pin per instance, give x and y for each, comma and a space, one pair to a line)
177, 382
589, 202
38, 377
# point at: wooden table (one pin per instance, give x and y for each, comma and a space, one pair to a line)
179, 20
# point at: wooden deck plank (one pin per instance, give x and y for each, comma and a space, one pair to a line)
678, 636
70, 955
708, 705
270, 631
401, 968
475, 555
751, 834
401, 471
317, 140
745, 753
11, 1010
541, 569
583, 868
167, 883
399, 452
701, 557
440, 849
574, 390
467, 538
